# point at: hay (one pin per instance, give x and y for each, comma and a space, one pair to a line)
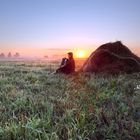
112, 58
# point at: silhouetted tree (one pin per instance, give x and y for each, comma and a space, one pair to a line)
46, 56
16, 54
9, 55
2, 55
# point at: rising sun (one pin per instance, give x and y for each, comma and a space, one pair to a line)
80, 54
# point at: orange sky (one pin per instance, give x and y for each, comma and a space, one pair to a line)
41, 52
35, 51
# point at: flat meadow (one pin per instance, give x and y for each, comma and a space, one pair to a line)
38, 105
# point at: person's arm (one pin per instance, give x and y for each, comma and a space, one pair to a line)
65, 64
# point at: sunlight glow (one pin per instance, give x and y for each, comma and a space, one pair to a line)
80, 54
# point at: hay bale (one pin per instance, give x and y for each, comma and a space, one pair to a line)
112, 58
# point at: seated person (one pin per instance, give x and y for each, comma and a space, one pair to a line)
67, 65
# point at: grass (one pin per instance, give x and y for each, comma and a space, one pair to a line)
36, 105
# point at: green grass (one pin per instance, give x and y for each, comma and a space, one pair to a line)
36, 105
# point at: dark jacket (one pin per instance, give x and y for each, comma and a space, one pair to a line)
67, 66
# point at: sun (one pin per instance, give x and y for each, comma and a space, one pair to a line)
80, 54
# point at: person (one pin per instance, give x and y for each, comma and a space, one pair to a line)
67, 65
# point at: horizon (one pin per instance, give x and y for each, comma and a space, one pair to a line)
53, 52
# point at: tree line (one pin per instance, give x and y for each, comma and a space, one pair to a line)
9, 55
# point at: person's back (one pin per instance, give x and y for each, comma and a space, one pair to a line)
67, 65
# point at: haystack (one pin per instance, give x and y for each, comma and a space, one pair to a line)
112, 58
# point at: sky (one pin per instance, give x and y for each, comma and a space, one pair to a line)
34, 26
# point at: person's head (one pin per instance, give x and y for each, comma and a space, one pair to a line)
70, 55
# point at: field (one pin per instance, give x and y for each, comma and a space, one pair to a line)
38, 105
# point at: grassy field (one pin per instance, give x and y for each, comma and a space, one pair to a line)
36, 105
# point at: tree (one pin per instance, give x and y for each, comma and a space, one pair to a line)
9, 55
46, 56
16, 54
2, 55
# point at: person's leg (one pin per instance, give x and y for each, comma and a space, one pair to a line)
62, 63
62, 69
58, 70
